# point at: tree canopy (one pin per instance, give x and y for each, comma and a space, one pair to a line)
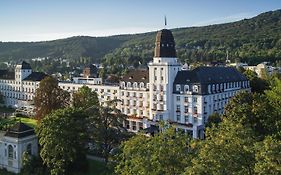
63, 135
85, 98
49, 96
166, 153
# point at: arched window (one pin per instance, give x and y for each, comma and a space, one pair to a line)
178, 87
29, 149
128, 84
135, 85
186, 88
10, 152
195, 88
141, 85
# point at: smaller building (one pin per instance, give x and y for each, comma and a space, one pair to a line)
13, 143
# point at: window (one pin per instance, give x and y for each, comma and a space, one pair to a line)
178, 87
178, 108
186, 88
134, 124
186, 109
135, 85
178, 98
195, 88
186, 99
195, 110
127, 124
10, 152
178, 118
186, 119
195, 99
161, 88
140, 125
160, 117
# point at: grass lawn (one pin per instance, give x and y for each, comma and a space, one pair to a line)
10, 121
29, 121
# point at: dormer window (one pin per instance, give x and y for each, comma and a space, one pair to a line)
186, 88
195, 88
141, 85
122, 84
178, 87
128, 84
135, 85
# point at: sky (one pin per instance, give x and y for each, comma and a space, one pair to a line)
40, 20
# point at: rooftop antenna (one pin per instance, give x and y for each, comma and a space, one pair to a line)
165, 21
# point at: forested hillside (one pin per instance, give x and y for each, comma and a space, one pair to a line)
251, 40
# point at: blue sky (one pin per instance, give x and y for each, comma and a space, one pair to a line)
35, 20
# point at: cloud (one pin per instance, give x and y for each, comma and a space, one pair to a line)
225, 19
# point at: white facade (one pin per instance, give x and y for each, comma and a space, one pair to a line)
164, 92
18, 88
87, 80
12, 147
162, 72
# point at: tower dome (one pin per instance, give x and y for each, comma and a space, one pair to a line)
165, 44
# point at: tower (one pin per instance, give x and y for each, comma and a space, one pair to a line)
22, 71
162, 72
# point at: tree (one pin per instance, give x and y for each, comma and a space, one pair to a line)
49, 96
63, 135
268, 156
228, 149
252, 110
107, 127
257, 84
32, 165
85, 98
274, 99
166, 153
213, 120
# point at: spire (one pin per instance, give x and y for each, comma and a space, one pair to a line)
165, 21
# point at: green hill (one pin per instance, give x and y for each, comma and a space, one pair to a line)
251, 40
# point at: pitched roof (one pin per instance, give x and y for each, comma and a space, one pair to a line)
25, 65
20, 130
8, 75
207, 75
35, 76
139, 75
165, 44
